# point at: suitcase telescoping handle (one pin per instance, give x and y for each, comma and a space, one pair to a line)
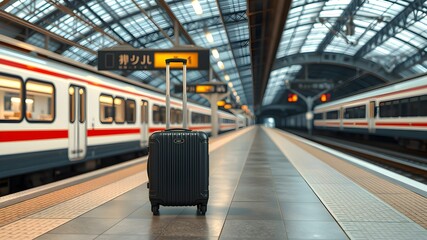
184, 91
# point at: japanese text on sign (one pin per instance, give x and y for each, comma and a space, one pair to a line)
149, 59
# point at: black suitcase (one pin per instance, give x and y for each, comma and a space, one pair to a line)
178, 163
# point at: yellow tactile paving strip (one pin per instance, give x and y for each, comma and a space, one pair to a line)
20, 210
405, 201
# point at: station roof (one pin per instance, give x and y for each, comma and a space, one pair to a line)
261, 45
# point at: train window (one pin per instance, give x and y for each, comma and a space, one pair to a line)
332, 114
173, 116
395, 108
404, 107
10, 99
413, 106
156, 114
355, 112
225, 120
200, 118
163, 114
130, 111
385, 109
106, 108
318, 116
82, 101
179, 116
71, 95
423, 102
39, 101
119, 110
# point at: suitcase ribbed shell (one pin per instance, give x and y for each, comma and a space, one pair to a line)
178, 168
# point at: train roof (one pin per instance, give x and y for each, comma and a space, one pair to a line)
31, 53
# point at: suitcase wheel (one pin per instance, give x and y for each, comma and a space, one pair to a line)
201, 209
155, 209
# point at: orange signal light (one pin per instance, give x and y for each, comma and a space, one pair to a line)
325, 97
292, 97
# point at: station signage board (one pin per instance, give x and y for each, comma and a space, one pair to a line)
203, 88
151, 59
311, 84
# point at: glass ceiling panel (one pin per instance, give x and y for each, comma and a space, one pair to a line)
411, 38
303, 33
138, 26
162, 43
99, 10
420, 68
31, 11
184, 10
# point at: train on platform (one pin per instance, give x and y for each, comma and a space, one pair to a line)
54, 113
397, 110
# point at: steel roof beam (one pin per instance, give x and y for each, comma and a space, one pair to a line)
417, 58
172, 16
2, 4
225, 22
44, 31
336, 59
69, 11
157, 35
264, 40
57, 14
351, 9
401, 21
102, 20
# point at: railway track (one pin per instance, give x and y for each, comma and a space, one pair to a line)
414, 167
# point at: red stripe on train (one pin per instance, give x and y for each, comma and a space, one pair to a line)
103, 132
64, 76
29, 135
400, 124
355, 123
12, 136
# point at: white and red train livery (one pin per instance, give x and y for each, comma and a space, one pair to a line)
53, 114
398, 110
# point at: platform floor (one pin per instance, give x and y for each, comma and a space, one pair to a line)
262, 186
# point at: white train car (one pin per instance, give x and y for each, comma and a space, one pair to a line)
54, 114
398, 110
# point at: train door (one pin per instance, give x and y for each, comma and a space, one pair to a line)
341, 118
77, 123
371, 117
144, 123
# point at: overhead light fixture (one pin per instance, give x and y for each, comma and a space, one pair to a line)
209, 36
230, 84
215, 53
39, 87
10, 83
197, 8
15, 99
221, 103
221, 65
228, 106
226, 77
